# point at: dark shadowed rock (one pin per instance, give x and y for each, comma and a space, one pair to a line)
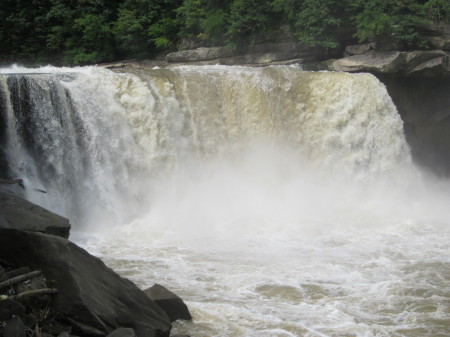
29, 320
424, 105
14, 328
92, 297
122, 332
18, 213
63, 334
9, 308
172, 304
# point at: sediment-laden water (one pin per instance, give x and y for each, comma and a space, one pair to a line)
274, 201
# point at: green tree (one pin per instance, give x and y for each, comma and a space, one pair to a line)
203, 22
142, 26
401, 20
21, 27
250, 22
438, 10
324, 23
319, 22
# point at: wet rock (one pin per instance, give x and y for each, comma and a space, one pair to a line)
14, 328
9, 308
172, 304
92, 298
19, 213
122, 332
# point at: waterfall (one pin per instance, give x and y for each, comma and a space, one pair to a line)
274, 201
95, 139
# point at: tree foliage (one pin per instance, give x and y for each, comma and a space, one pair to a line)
400, 19
92, 31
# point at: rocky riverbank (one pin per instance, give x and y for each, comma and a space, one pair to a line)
51, 287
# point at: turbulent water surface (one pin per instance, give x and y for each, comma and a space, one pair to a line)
274, 201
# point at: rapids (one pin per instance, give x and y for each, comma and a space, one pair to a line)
274, 201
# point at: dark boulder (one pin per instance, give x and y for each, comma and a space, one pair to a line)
172, 304
14, 328
63, 334
91, 297
18, 213
9, 308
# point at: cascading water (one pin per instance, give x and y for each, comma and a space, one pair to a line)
276, 202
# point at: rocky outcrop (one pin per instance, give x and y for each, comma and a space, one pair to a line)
18, 213
372, 61
256, 55
199, 54
91, 297
172, 304
411, 63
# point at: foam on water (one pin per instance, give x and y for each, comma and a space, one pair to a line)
276, 202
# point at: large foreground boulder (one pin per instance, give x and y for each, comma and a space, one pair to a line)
91, 297
18, 213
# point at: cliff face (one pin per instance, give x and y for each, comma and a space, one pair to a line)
424, 105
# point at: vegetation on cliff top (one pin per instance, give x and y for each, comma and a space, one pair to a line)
90, 31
